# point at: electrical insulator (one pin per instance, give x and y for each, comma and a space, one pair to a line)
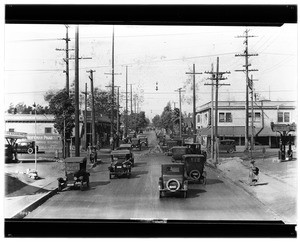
156, 86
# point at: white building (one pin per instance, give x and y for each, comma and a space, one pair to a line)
47, 137
231, 120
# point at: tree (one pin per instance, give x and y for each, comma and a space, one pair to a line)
166, 118
22, 108
137, 121
156, 121
63, 109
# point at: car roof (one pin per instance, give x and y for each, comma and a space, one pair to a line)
192, 156
120, 152
227, 140
125, 145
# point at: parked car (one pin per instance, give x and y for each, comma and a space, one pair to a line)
227, 145
120, 164
172, 180
127, 147
143, 140
76, 174
26, 147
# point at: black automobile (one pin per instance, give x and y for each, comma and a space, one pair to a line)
127, 147
120, 164
26, 147
143, 140
172, 180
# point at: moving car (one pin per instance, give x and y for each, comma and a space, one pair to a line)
194, 167
136, 143
172, 180
127, 147
143, 140
120, 164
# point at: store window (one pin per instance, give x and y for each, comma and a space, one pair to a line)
48, 130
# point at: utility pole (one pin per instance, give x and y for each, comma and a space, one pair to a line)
131, 109
77, 144
179, 90
118, 106
67, 39
93, 143
246, 70
126, 110
194, 101
85, 115
217, 76
252, 113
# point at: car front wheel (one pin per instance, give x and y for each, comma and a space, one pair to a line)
30, 151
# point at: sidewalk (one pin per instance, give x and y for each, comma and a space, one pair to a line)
278, 193
24, 194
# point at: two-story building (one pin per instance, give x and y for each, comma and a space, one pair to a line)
231, 121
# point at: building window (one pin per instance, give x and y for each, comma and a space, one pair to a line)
286, 117
48, 130
225, 117
11, 130
198, 118
283, 117
228, 118
221, 117
256, 117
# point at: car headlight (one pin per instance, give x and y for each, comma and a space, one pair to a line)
75, 178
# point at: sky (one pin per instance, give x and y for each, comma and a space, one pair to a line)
153, 54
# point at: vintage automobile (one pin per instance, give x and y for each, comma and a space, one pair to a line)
178, 152
121, 164
127, 147
143, 140
170, 144
136, 143
195, 148
172, 180
26, 147
75, 174
227, 145
194, 167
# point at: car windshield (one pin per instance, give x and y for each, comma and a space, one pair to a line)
172, 170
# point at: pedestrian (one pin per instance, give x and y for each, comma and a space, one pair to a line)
253, 174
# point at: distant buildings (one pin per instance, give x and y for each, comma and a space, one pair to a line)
231, 120
47, 137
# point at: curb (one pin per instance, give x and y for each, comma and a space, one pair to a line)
29, 208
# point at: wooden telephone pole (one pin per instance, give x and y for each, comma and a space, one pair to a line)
246, 70
179, 90
216, 76
194, 102
93, 131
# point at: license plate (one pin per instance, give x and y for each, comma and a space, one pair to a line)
173, 187
119, 166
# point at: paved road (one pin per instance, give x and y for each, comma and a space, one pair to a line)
138, 197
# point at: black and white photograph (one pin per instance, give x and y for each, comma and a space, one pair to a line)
147, 120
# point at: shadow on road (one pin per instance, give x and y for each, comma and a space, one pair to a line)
14, 187
139, 164
137, 174
192, 193
213, 181
99, 183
